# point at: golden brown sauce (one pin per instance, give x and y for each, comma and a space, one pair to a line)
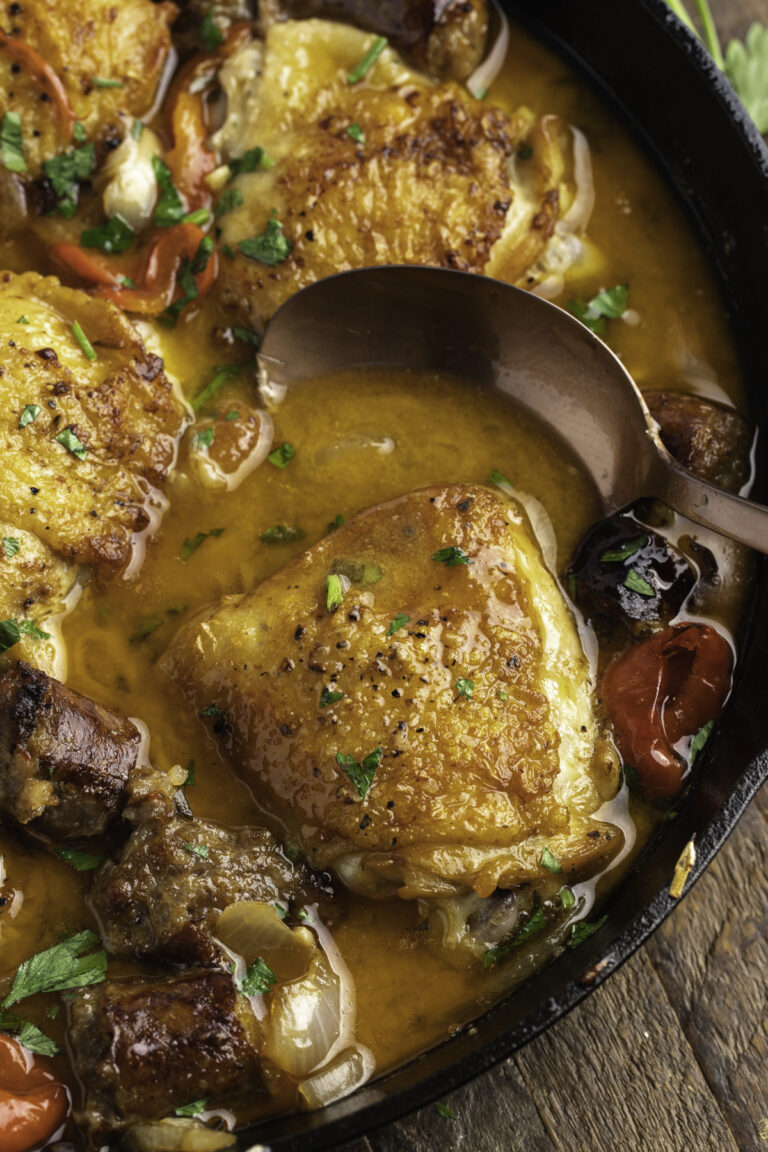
359, 441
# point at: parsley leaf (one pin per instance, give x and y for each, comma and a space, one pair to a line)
550, 862
28, 1034
201, 850
258, 979
282, 456
211, 38
334, 593
145, 628
190, 775
191, 545
250, 161
66, 172
328, 697
337, 522
635, 583
281, 534
11, 545
451, 556
699, 741
368, 61
444, 1111
114, 236
624, 551
361, 775
465, 688
169, 209
60, 967
224, 372
355, 132
30, 413
271, 247
746, 66
82, 861
231, 199
72, 442
29, 628
537, 921
9, 634
567, 898
582, 931
193, 1109
399, 622
499, 478
610, 304
11, 143
204, 438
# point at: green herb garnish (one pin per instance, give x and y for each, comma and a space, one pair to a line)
190, 775
101, 82
282, 534
12, 143
582, 931
368, 61
11, 545
247, 337
200, 216
699, 741
500, 479
635, 583
146, 628
282, 456
29, 628
60, 967
537, 921
82, 861
465, 688
444, 1111
334, 593
114, 236
399, 622
271, 247
72, 442
361, 775
169, 209
258, 979
337, 522
624, 551
610, 304
452, 556
9, 634
224, 372
550, 862
85, 345
566, 897
30, 413
204, 438
231, 199
201, 850
356, 133
211, 36
66, 172
137, 129
191, 545
327, 697
250, 161
193, 1109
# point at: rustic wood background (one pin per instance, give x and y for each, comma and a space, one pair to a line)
671, 1054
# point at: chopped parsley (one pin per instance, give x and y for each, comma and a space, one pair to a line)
550, 862
72, 442
185, 278
282, 534
368, 61
334, 593
212, 710
282, 456
146, 627
356, 133
746, 66
125, 281
12, 143
399, 622
30, 413
451, 556
566, 896
582, 931
500, 479
224, 372
101, 82
66, 172
28, 1034
337, 522
201, 850
699, 741
193, 1109
281, 911
29, 628
231, 199
444, 1111
465, 688
11, 545
247, 337
258, 979
22, 320
86, 347
190, 775
82, 861
610, 304
12, 630
624, 551
169, 209
537, 921
211, 36
78, 132
233, 415
328, 697
358, 571
68, 964
250, 161
204, 438
271, 247
361, 775
635, 583
191, 544
114, 236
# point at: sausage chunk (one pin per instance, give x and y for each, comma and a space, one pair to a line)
165, 892
713, 442
145, 1048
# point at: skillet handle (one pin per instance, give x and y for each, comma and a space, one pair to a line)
698, 500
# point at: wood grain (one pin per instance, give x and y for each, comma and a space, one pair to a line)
671, 1054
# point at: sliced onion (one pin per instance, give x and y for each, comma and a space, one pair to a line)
253, 929
174, 1135
343, 1075
487, 71
579, 214
305, 1019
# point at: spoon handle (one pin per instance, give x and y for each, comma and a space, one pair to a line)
730, 515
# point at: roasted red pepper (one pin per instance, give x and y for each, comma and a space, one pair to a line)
33, 1103
662, 690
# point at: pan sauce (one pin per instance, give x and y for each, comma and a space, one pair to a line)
359, 442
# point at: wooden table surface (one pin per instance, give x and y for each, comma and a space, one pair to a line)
671, 1053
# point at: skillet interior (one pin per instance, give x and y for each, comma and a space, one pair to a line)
700, 136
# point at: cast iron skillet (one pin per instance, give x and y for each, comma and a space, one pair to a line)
647, 66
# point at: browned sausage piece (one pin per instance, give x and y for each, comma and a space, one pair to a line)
446, 40
174, 878
64, 760
713, 442
145, 1048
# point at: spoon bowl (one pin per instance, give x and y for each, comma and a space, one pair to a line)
458, 323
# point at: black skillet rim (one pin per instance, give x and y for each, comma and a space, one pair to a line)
712, 806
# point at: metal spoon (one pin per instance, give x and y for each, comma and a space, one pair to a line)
435, 320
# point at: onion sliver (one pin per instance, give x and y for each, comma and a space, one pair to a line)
343, 1075
487, 71
177, 1136
253, 929
305, 1019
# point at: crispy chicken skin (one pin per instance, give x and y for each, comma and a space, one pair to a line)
445, 40
68, 766
125, 42
119, 406
143, 1049
430, 184
160, 898
477, 708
